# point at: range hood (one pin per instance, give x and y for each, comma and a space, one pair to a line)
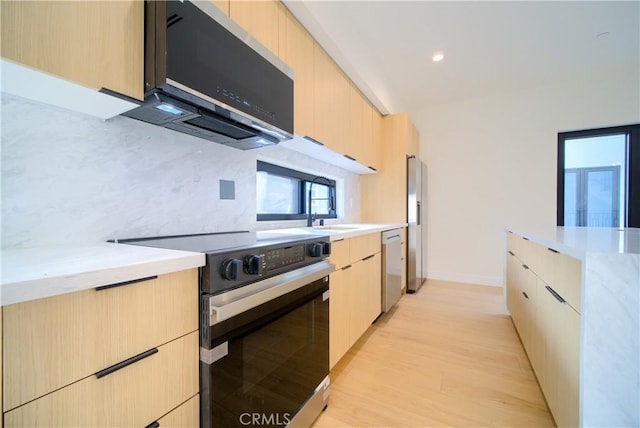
207, 77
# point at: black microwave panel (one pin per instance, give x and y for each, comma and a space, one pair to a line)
203, 55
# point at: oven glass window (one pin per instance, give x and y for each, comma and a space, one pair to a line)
271, 370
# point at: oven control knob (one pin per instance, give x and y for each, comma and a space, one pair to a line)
315, 249
230, 269
254, 264
326, 248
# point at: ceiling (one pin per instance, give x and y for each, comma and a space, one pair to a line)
490, 47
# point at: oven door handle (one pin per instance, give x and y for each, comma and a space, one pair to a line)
234, 302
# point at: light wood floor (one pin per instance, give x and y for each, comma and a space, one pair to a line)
445, 356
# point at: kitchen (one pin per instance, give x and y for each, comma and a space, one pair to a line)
69, 178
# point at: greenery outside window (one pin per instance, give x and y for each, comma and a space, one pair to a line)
283, 194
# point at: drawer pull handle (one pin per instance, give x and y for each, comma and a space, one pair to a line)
346, 267
153, 424
553, 251
369, 257
125, 363
525, 266
120, 284
526, 239
554, 294
511, 252
525, 295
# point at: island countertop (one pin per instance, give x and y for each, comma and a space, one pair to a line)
578, 241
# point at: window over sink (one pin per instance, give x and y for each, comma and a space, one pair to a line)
283, 194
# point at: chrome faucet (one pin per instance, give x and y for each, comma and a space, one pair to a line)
310, 217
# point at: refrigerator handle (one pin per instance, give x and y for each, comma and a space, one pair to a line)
418, 213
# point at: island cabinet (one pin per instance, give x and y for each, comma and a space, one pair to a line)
356, 293
543, 295
119, 355
96, 44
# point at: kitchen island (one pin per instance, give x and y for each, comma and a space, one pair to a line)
607, 310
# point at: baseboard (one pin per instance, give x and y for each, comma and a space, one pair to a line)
466, 279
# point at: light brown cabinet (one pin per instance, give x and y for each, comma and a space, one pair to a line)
187, 415
331, 102
261, 19
96, 44
388, 189
223, 5
136, 395
56, 349
355, 300
547, 321
296, 50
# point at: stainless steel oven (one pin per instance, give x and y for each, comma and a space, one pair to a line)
264, 328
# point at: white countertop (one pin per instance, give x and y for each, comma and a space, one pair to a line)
33, 273
335, 232
578, 241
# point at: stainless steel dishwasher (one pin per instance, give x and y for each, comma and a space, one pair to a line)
391, 267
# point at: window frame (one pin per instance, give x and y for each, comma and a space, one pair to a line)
632, 219
302, 195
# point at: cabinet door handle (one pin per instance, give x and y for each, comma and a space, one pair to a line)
125, 363
154, 424
368, 257
525, 295
525, 266
120, 284
554, 294
553, 251
510, 252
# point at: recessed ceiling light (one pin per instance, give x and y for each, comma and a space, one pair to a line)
437, 56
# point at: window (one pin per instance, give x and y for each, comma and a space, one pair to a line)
599, 177
283, 194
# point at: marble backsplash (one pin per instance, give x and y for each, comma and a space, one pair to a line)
69, 178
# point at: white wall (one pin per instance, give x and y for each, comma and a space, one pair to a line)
492, 162
68, 178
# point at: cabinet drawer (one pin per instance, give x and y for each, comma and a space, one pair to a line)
50, 343
339, 253
187, 415
564, 275
363, 246
513, 243
135, 395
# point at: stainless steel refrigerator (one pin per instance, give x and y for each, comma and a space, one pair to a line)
416, 177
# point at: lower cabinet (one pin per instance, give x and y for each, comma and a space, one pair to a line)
558, 353
356, 293
123, 354
548, 325
135, 395
187, 415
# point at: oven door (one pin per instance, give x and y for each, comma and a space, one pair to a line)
264, 358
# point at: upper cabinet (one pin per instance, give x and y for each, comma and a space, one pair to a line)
389, 188
261, 19
296, 50
223, 5
94, 44
331, 100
